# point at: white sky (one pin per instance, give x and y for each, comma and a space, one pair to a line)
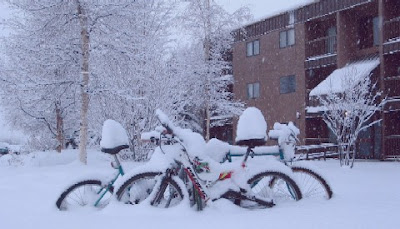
263, 8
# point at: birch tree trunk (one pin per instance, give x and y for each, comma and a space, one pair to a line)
60, 128
207, 47
85, 42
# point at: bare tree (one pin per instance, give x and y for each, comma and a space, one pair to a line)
349, 111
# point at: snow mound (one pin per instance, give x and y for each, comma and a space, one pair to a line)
113, 135
217, 149
251, 125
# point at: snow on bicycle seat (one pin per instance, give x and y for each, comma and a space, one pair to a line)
251, 128
113, 137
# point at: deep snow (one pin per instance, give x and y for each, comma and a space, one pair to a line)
367, 196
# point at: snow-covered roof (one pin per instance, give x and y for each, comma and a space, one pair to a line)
263, 10
314, 110
352, 72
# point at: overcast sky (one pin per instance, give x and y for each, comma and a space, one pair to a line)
263, 8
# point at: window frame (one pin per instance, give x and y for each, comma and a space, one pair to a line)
287, 38
252, 45
287, 84
253, 90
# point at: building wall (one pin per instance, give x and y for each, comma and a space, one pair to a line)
309, 61
267, 68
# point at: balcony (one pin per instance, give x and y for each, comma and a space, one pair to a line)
321, 52
391, 35
392, 87
392, 145
391, 29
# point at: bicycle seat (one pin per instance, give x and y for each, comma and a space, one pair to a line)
114, 150
252, 142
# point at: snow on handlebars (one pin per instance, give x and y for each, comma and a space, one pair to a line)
194, 142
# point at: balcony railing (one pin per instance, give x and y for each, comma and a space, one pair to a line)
321, 47
391, 29
392, 87
392, 144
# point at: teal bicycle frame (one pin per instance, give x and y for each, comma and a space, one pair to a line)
252, 154
230, 155
110, 184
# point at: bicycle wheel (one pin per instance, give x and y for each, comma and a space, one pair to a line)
137, 188
312, 184
168, 195
83, 193
275, 185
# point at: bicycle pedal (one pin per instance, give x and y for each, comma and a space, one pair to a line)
269, 204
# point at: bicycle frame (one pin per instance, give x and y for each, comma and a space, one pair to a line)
102, 192
281, 155
229, 155
187, 164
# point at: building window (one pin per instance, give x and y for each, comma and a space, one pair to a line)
375, 24
253, 90
287, 84
368, 32
253, 48
286, 38
331, 41
291, 17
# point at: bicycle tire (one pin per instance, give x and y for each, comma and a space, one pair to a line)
139, 187
275, 185
311, 183
74, 196
168, 195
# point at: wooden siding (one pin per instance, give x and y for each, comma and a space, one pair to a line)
303, 14
325, 7
391, 29
390, 48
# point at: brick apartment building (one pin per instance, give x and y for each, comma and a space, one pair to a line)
278, 61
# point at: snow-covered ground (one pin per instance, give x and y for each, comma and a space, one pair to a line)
367, 196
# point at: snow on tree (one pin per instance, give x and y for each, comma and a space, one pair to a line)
39, 78
112, 60
349, 103
144, 74
120, 46
210, 26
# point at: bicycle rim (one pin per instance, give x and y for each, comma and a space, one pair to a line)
84, 193
312, 185
275, 185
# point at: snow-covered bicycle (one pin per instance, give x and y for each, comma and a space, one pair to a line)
177, 170
312, 184
94, 191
